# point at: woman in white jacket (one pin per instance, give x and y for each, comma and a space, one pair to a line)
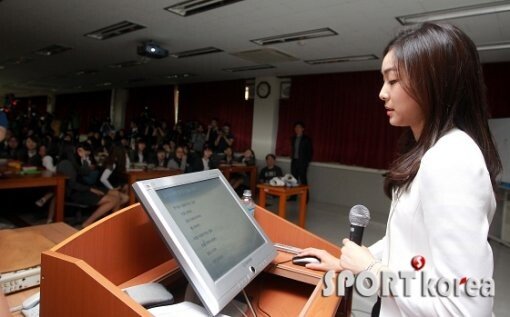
442, 184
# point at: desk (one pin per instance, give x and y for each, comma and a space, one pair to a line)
55, 232
43, 179
250, 170
283, 193
138, 175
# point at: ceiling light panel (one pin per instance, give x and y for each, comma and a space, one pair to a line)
114, 30
298, 36
190, 7
333, 60
455, 13
196, 52
494, 46
247, 68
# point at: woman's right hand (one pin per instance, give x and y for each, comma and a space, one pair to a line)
96, 191
328, 261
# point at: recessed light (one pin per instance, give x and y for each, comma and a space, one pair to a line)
455, 13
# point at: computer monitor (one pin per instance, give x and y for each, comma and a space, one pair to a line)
218, 245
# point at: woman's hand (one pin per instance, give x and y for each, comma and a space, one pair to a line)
328, 261
96, 191
355, 258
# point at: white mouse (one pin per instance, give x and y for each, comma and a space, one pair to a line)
305, 259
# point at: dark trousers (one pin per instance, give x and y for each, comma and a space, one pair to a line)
299, 169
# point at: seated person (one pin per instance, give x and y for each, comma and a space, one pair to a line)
204, 163
179, 161
140, 155
47, 163
29, 154
238, 180
228, 158
248, 158
114, 175
75, 168
270, 170
160, 159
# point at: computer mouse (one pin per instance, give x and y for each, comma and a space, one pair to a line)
305, 259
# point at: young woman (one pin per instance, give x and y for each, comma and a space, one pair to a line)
179, 161
114, 175
442, 185
75, 167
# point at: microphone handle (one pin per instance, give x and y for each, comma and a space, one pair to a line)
356, 234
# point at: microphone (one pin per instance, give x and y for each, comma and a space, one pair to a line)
359, 217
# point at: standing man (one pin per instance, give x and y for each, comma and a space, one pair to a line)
302, 153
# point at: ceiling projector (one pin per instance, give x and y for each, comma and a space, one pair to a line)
152, 49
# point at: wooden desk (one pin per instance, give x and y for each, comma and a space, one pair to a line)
138, 175
55, 232
43, 179
283, 193
250, 170
91, 278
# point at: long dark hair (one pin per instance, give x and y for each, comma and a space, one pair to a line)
440, 69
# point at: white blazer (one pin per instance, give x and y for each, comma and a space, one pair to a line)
444, 216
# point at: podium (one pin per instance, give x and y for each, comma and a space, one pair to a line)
84, 275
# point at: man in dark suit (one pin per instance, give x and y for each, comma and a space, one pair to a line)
301, 155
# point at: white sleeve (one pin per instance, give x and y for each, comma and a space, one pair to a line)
47, 163
457, 200
377, 248
104, 178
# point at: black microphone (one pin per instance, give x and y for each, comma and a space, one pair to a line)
359, 217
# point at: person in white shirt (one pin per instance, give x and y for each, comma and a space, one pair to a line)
442, 185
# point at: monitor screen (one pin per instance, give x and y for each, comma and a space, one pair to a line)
219, 247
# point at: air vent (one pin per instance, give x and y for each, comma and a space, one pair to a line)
247, 68
358, 58
196, 52
114, 30
126, 64
180, 76
265, 56
52, 50
299, 36
190, 7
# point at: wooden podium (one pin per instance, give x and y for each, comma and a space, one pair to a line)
85, 274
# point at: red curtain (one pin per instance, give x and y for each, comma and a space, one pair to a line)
222, 100
83, 109
344, 117
158, 100
347, 122
497, 77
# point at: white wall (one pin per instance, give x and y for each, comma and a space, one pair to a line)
265, 118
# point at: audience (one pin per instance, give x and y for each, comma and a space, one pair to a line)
96, 161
